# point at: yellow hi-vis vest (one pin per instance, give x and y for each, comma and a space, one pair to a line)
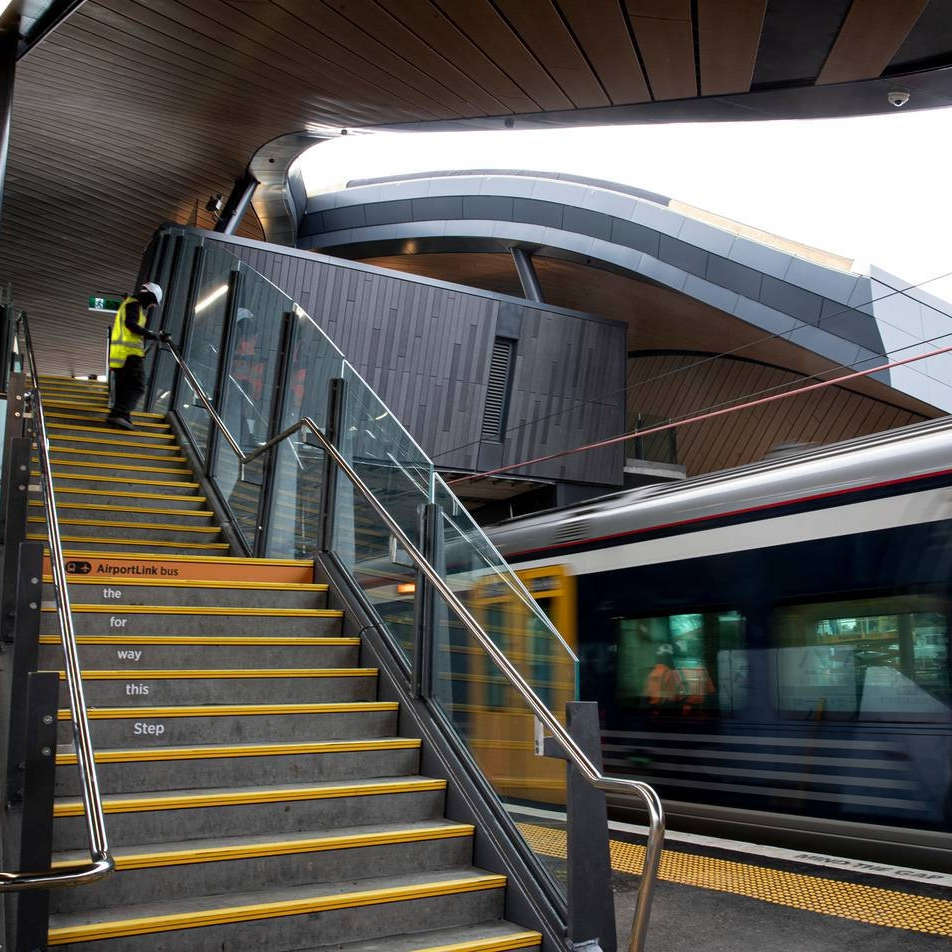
122, 342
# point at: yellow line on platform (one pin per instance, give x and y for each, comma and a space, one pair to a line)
828, 897
203, 610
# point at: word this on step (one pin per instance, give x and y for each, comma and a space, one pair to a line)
137, 690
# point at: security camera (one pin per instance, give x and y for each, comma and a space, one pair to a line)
898, 98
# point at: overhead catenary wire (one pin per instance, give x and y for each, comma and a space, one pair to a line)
778, 335
705, 415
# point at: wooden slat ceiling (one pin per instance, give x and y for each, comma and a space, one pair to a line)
134, 111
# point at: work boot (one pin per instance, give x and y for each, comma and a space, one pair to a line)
123, 422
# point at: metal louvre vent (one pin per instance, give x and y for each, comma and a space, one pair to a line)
497, 390
572, 531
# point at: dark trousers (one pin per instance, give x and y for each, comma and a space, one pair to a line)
130, 385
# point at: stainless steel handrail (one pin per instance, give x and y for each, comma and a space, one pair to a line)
583, 764
101, 862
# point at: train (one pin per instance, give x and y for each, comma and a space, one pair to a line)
769, 646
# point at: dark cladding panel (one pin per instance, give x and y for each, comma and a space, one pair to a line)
426, 349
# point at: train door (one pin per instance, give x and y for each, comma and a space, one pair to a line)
502, 724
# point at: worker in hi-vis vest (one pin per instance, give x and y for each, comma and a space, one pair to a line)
127, 352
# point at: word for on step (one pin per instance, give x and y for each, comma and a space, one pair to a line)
148, 728
116, 621
138, 690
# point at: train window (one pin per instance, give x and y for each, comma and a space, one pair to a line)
682, 665
873, 658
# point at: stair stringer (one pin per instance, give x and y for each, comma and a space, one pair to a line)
533, 899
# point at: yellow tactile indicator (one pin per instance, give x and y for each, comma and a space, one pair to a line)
829, 897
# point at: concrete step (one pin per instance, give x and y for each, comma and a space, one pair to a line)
138, 484
90, 432
91, 418
132, 770
227, 865
492, 935
286, 918
144, 529
90, 563
122, 621
196, 593
146, 687
145, 447
105, 512
61, 452
183, 725
73, 403
149, 497
134, 543
204, 651
226, 811
128, 469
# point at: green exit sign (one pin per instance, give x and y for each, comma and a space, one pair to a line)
104, 303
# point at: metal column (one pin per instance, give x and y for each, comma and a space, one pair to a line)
9, 40
527, 274
238, 201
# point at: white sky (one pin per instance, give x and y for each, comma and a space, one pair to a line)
875, 189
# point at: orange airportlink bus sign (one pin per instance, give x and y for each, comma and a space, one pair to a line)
111, 567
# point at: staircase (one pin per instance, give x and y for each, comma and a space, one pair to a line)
257, 793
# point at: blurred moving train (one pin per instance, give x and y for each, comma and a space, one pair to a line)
769, 646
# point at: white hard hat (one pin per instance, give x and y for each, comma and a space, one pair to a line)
154, 290
243, 314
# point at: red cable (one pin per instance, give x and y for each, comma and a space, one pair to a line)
702, 416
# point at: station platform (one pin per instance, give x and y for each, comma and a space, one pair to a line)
730, 896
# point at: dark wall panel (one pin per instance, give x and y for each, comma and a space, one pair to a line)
425, 347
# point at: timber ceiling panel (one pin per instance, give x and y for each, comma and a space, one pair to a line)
133, 112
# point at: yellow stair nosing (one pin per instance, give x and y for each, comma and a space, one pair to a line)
160, 557
54, 425
56, 438
105, 454
41, 537
112, 609
189, 801
316, 587
57, 402
276, 909
57, 415
303, 641
34, 474
287, 847
229, 751
171, 470
113, 494
118, 524
231, 710
220, 674
86, 507
503, 943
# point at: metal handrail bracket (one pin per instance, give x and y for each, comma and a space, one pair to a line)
617, 785
101, 862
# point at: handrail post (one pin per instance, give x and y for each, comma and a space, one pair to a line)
25, 654
591, 909
17, 498
14, 428
336, 393
36, 829
427, 609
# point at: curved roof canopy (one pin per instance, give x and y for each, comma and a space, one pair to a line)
132, 112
